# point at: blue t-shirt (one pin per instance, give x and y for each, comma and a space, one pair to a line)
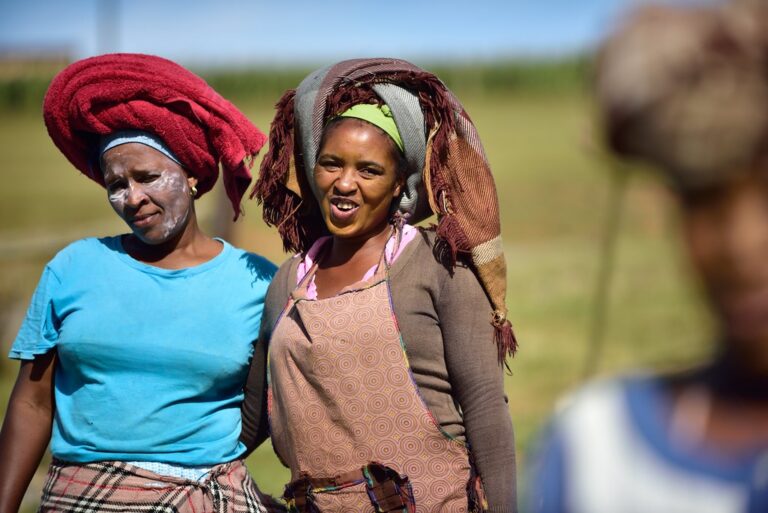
151, 362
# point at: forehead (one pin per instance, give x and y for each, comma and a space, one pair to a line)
136, 157
349, 134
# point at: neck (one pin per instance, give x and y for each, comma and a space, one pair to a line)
345, 250
730, 377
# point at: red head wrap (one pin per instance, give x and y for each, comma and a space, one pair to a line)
108, 93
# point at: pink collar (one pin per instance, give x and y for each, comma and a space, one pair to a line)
409, 233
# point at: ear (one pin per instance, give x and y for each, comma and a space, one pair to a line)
192, 181
398, 189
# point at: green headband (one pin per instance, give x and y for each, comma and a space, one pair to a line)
377, 115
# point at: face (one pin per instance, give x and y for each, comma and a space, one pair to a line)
726, 231
356, 178
148, 190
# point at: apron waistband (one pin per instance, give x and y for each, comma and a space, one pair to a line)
388, 491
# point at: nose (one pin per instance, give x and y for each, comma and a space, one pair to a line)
136, 195
745, 241
346, 183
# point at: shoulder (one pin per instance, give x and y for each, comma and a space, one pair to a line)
282, 284
427, 251
584, 437
591, 393
426, 262
284, 279
255, 265
604, 402
438, 252
81, 253
288, 268
85, 246
594, 416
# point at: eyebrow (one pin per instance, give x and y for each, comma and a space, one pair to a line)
141, 170
372, 163
364, 163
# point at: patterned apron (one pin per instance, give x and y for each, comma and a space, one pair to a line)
347, 417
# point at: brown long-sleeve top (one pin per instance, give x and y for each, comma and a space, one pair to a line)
444, 318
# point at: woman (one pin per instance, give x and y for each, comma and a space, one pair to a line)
135, 348
383, 368
684, 89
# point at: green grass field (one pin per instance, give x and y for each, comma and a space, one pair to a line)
554, 192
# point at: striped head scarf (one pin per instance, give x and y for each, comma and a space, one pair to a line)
448, 174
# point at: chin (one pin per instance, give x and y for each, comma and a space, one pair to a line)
153, 239
749, 344
346, 232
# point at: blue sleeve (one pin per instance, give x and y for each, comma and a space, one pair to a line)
546, 481
40, 330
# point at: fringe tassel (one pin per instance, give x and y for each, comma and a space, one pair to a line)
450, 233
475, 493
504, 337
276, 163
343, 98
280, 205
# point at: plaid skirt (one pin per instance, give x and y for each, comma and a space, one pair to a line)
113, 486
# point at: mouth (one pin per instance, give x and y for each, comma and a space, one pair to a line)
343, 209
143, 220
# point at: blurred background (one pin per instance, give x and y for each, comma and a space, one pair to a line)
596, 284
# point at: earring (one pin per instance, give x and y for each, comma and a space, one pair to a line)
193, 191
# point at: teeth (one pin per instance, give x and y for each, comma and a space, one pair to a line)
344, 205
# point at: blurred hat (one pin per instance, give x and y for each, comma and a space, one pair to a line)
686, 89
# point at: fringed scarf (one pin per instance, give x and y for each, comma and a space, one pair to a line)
449, 172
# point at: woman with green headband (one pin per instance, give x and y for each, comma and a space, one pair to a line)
386, 386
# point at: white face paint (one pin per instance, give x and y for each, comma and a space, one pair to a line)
148, 190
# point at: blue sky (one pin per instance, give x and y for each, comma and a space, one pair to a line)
240, 32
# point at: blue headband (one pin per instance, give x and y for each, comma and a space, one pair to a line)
118, 138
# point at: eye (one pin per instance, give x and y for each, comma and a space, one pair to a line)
329, 163
148, 178
115, 186
370, 172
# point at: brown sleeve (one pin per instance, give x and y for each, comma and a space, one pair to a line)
254, 409
477, 381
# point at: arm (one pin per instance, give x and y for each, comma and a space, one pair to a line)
254, 409
26, 429
477, 382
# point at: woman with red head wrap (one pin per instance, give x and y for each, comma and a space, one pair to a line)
135, 348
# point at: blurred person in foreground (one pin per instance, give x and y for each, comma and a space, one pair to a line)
686, 90
387, 341
136, 348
